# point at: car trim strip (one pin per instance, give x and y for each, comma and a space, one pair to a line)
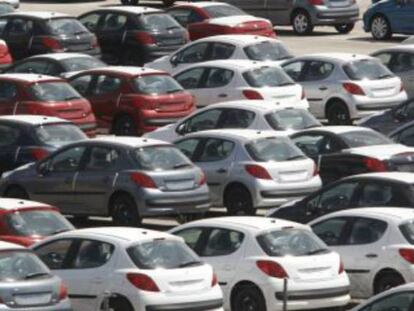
358, 271
74, 296
193, 306
315, 293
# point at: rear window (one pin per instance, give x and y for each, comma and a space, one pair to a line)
273, 149
81, 63
53, 91
267, 76
65, 26
407, 230
163, 254
295, 119
367, 69
215, 11
159, 21
6, 8
364, 138
160, 158
20, 265
59, 134
156, 84
291, 242
267, 50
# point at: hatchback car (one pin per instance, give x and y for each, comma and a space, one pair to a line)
124, 177
141, 269
28, 138
247, 169
5, 57
130, 35
253, 255
206, 18
225, 80
375, 244
27, 284
45, 95
342, 87
133, 100
31, 33
244, 114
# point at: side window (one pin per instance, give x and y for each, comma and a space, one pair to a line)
114, 22
337, 197
207, 120
222, 51
314, 145
92, 254
406, 136
67, 161
191, 236
3, 24
181, 16
194, 17
90, 21
409, 110
82, 84
102, 159
8, 135
34, 66
236, 118
366, 231
316, 71
385, 59
193, 54
222, 242
218, 77
188, 146
403, 301
19, 27
331, 231
190, 79
402, 62
54, 254
294, 70
377, 194
216, 150
8, 91
106, 85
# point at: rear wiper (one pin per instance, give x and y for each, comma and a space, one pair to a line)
35, 275
73, 97
181, 165
287, 83
384, 76
296, 157
312, 126
172, 27
190, 263
318, 251
174, 91
60, 231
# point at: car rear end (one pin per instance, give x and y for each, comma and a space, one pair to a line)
5, 56
244, 24
333, 12
401, 251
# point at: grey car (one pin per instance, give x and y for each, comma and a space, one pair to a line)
124, 177
26, 284
303, 15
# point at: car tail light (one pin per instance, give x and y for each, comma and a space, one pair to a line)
39, 153
316, 2
52, 44
341, 267
143, 180
94, 43
202, 179
375, 165
252, 94
272, 269
407, 254
257, 171
214, 280
315, 169
142, 282
63, 292
353, 89
144, 38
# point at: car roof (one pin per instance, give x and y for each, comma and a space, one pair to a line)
29, 77
241, 40
338, 129
254, 105
335, 57
59, 56
33, 119
241, 135
39, 14
232, 64
398, 47
9, 246
403, 177
16, 204
134, 142
200, 4
127, 70
130, 9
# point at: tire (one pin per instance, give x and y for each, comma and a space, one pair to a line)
388, 280
124, 126
16, 192
168, 2
238, 201
124, 211
301, 22
380, 28
248, 298
338, 114
129, 2
345, 28
119, 304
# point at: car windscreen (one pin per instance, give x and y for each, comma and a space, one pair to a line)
367, 69
66, 26
364, 138
163, 254
156, 84
267, 50
6, 8
53, 91
267, 76
407, 230
291, 242
81, 63
59, 134
215, 11
271, 149
160, 158
158, 22
295, 119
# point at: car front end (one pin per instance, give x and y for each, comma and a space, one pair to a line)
323, 12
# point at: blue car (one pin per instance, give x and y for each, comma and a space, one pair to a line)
386, 17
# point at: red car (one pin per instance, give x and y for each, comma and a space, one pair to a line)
26, 222
35, 94
133, 100
204, 19
5, 57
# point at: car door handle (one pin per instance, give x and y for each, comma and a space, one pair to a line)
371, 255
323, 88
222, 95
227, 267
221, 170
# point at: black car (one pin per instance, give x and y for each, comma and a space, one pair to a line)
341, 151
32, 33
130, 35
28, 138
404, 134
366, 190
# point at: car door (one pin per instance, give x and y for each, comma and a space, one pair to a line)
380, 193
11, 141
398, 301
193, 81
37, 66
195, 53
8, 97
402, 64
19, 35
83, 84
202, 121
405, 136
218, 84
92, 22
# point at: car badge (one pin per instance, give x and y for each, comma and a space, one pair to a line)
256, 26
77, 37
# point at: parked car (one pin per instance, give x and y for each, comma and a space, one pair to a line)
252, 256
385, 18
251, 47
206, 18
249, 169
56, 64
28, 138
404, 134
226, 80
244, 114
142, 269
304, 15
375, 244
14, 3
349, 150
130, 35
342, 87
26, 283
124, 177
133, 100
8, 7
394, 189
45, 95
5, 57
47, 32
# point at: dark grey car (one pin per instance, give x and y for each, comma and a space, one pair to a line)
123, 177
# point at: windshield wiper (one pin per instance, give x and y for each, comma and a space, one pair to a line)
190, 263
181, 165
35, 275
318, 251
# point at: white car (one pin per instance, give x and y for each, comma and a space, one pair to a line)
225, 80
341, 87
248, 169
253, 255
224, 47
141, 270
247, 114
375, 244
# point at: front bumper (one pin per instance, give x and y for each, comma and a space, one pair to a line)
64, 305
211, 305
322, 15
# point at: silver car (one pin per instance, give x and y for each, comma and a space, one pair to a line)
124, 177
26, 284
248, 169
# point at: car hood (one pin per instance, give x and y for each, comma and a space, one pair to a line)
232, 21
381, 152
24, 167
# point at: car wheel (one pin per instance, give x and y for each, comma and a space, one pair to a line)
344, 28
124, 126
124, 211
119, 304
387, 281
238, 201
130, 2
380, 28
16, 192
248, 298
168, 2
301, 22
338, 114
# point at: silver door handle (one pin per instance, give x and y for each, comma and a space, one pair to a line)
323, 88
221, 170
371, 255
222, 95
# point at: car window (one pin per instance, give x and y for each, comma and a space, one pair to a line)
8, 90
314, 145
190, 79
367, 69
330, 231
81, 63
409, 109
81, 84
267, 76
31, 66
402, 301
406, 136
338, 197
317, 70
102, 159
366, 231
354, 139
223, 10
188, 146
384, 58
294, 70
181, 16
267, 50
378, 194
206, 120
297, 119
18, 266
221, 51
54, 254
216, 150
9, 135
236, 118
160, 158
193, 54
53, 91
106, 85
92, 254
218, 77
158, 22
6, 8
273, 149
191, 236
19, 27
114, 22
67, 161
402, 62
156, 84
222, 242
90, 21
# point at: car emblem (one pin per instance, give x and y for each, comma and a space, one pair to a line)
256, 26
77, 37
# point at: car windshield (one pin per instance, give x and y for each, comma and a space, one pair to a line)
159, 21
156, 84
19, 265
407, 230
66, 26
6, 8
364, 138
267, 50
291, 242
367, 69
160, 158
82, 63
295, 119
215, 11
53, 91
267, 76
37, 222
273, 149
59, 134
163, 254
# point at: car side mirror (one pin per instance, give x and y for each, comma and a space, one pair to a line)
181, 129
174, 60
